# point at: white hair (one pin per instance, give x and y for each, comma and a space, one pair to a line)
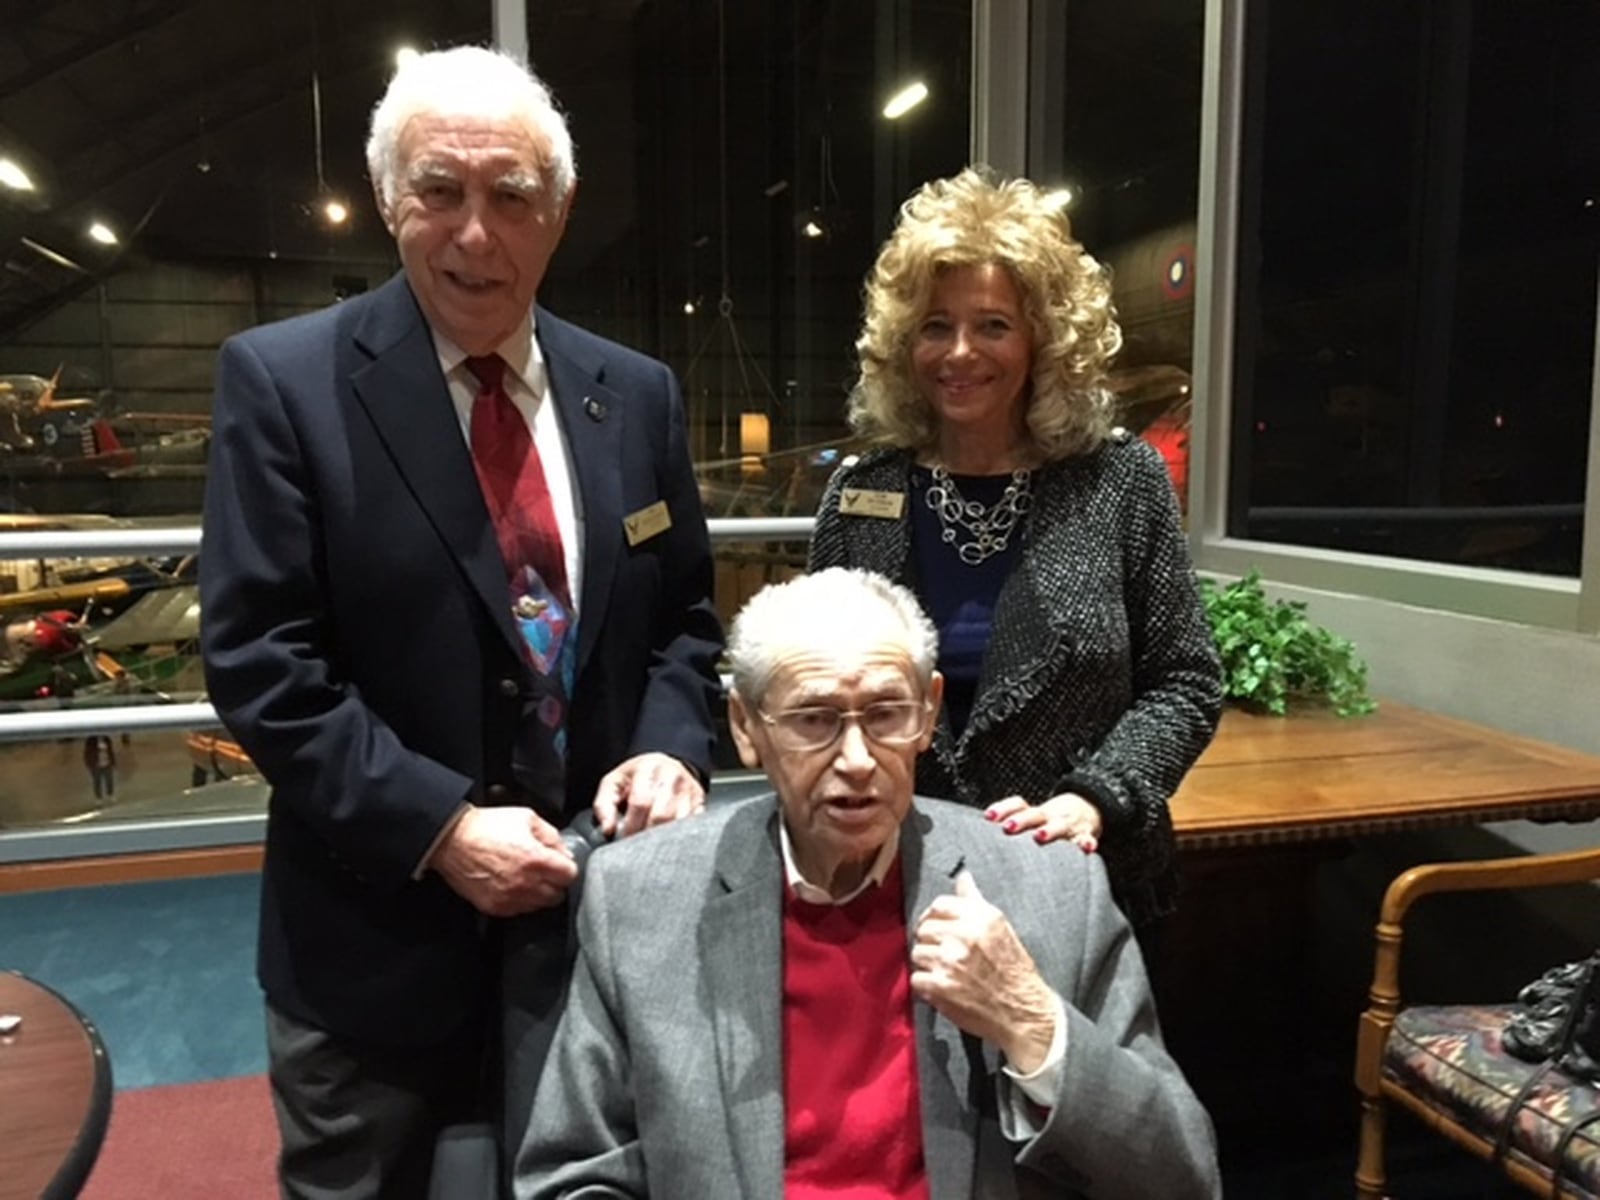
809, 611
466, 81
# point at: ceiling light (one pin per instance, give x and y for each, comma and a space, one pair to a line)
14, 176
336, 212
103, 233
812, 230
688, 308
905, 100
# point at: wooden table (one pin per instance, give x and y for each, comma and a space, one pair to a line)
1313, 776
55, 1094
1272, 802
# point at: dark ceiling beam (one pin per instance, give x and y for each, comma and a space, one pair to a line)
209, 107
150, 148
104, 39
15, 320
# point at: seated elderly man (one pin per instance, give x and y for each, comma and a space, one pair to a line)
845, 990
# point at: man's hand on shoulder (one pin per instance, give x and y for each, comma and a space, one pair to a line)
969, 964
505, 861
646, 790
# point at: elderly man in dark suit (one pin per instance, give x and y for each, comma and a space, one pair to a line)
457, 592
845, 990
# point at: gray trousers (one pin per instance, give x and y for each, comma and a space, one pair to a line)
362, 1122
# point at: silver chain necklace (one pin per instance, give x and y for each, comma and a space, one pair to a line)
989, 525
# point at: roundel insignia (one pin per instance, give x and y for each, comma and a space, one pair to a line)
1177, 276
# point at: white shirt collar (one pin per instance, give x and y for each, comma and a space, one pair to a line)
520, 351
811, 893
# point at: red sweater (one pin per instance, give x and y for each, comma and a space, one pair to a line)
852, 1116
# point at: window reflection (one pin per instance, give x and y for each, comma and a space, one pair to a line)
738, 171
737, 181
1417, 280
1129, 151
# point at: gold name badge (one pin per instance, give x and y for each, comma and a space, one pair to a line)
643, 525
863, 502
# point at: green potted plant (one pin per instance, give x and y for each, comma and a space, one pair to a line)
1274, 656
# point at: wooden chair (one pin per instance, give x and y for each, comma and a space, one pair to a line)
1445, 1064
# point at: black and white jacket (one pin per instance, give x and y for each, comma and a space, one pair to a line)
1101, 676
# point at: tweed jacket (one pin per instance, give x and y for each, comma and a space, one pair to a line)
666, 1077
1101, 676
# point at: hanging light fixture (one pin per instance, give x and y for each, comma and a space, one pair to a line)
14, 177
905, 100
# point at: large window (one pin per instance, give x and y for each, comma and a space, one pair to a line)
738, 176
173, 176
1122, 86
169, 180
1416, 274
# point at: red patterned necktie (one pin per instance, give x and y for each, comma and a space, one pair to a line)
513, 484
512, 479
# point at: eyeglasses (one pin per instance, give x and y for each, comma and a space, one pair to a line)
816, 727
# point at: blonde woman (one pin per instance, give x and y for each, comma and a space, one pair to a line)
1081, 681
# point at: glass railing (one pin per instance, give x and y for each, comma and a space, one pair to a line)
107, 742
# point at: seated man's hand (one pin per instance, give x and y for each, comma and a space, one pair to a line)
968, 963
1067, 817
505, 861
647, 789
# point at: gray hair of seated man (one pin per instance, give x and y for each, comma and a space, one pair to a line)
469, 81
810, 611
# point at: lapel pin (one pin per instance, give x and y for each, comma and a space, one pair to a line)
595, 409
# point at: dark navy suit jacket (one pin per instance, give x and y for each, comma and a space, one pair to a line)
359, 644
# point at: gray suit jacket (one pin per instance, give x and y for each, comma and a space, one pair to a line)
666, 1079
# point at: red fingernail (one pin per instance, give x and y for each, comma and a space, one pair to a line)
990, 815
1041, 837
1010, 826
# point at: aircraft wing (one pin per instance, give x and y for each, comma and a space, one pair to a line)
164, 615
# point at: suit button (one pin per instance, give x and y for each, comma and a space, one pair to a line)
509, 688
498, 793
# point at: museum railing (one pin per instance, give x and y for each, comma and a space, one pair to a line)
762, 547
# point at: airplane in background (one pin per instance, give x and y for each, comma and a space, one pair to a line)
126, 628
36, 422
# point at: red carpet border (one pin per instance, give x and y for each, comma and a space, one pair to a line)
189, 1141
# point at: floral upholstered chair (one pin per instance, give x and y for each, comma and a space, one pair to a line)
1448, 1065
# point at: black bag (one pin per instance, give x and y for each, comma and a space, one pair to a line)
1557, 1020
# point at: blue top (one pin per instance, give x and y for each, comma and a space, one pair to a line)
959, 598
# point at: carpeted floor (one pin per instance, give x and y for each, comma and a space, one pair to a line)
165, 970
190, 1141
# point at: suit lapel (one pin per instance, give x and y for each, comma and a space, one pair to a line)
741, 945
403, 392
949, 1081
592, 420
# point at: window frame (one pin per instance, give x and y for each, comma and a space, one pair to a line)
1571, 604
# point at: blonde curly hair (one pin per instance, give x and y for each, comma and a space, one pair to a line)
974, 219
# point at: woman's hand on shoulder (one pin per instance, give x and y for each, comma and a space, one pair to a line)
1064, 818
